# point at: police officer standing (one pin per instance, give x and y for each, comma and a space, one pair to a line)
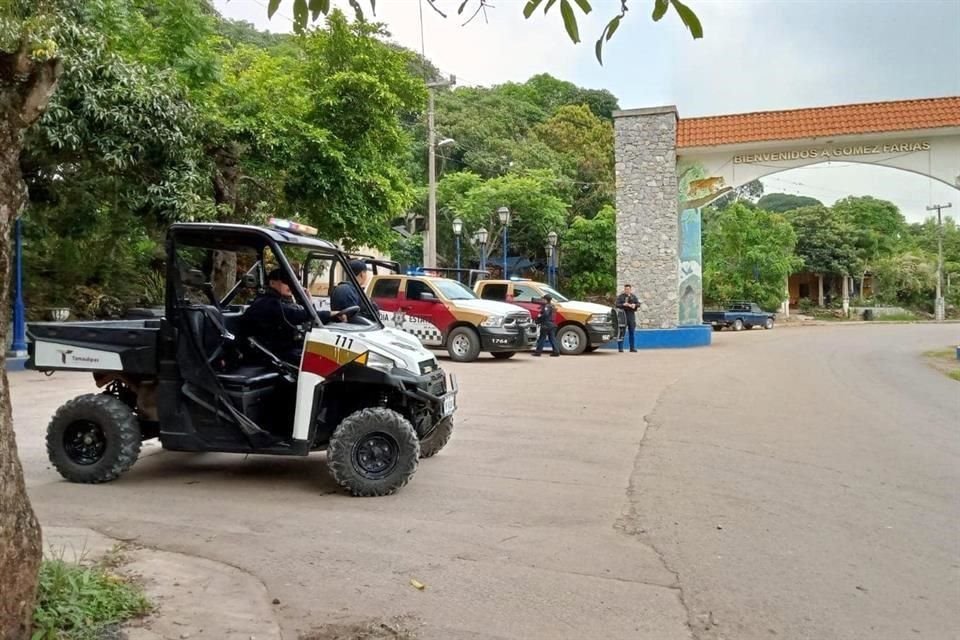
629, 303
548, 327
347, 295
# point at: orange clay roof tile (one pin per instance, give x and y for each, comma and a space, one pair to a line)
818, 122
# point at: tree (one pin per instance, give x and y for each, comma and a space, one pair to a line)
586, 144
747, 255
30, 68
825, 241
535, 208
588, 254
782, 202
879, 228
907, 278
305, 11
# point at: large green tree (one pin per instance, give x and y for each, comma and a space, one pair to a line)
589, 256
825, 240
535, 206
782, 202
747, 255
879, 229
585, 142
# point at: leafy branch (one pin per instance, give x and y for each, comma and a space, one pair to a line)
305, 11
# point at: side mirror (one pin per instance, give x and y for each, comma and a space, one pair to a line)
428, 297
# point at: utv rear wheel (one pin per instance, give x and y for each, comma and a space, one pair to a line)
572, 339
438, 438
463, 344
373, 452
93, 438
503, 355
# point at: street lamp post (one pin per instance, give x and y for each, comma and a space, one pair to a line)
482, 241
552, 258
549, 251
457, 230
18, 346
504, 214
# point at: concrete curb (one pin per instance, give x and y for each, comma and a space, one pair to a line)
192, 597
843, 323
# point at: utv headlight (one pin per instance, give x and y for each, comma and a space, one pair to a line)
378, 361
599, 318
492, 321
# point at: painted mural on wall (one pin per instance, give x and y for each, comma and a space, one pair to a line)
691, 269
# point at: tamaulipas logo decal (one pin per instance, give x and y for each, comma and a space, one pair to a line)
63, 354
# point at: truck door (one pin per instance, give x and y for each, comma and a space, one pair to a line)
425, 314
385, 293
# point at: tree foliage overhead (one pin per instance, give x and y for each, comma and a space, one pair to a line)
825, 240
782, 202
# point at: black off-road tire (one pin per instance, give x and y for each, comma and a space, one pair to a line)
473, 350
438, 438
391, 434
581, 336
112, 420
503, 355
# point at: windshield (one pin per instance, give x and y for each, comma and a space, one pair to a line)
557, 296
453, 290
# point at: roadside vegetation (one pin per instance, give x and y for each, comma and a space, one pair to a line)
81, 601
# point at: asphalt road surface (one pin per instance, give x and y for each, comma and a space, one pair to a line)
796, 483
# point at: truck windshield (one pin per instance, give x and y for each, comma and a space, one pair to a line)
557, 296
453, 290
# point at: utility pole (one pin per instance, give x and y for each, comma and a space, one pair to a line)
938, 305
430, 239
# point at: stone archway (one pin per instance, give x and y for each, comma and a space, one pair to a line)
656, 249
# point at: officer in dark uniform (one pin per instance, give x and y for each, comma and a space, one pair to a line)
548, 327
629, 303
275, 320
347, 295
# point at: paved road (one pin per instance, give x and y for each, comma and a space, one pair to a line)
812, 493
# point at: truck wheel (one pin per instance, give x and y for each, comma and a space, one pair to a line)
572, 339
503, 355
738, 325
463, 345
373, 452
438, 438
93, 438
768, 324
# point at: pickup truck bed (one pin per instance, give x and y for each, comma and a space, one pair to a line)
107, 345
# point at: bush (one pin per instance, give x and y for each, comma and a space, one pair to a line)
806, 305
76, 602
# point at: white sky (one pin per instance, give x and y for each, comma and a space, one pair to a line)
755, 55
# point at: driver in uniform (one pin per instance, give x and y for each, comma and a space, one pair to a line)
274, 319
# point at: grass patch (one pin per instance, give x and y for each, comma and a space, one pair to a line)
76, 601
944, 360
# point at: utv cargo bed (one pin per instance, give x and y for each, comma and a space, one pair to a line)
107, 345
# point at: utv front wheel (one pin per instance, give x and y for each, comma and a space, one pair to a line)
93, 438
438, 438
373, 452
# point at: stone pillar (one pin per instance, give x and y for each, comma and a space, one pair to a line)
820, 300
785, 307
647, 221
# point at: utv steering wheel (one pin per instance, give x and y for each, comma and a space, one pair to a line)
349, 312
